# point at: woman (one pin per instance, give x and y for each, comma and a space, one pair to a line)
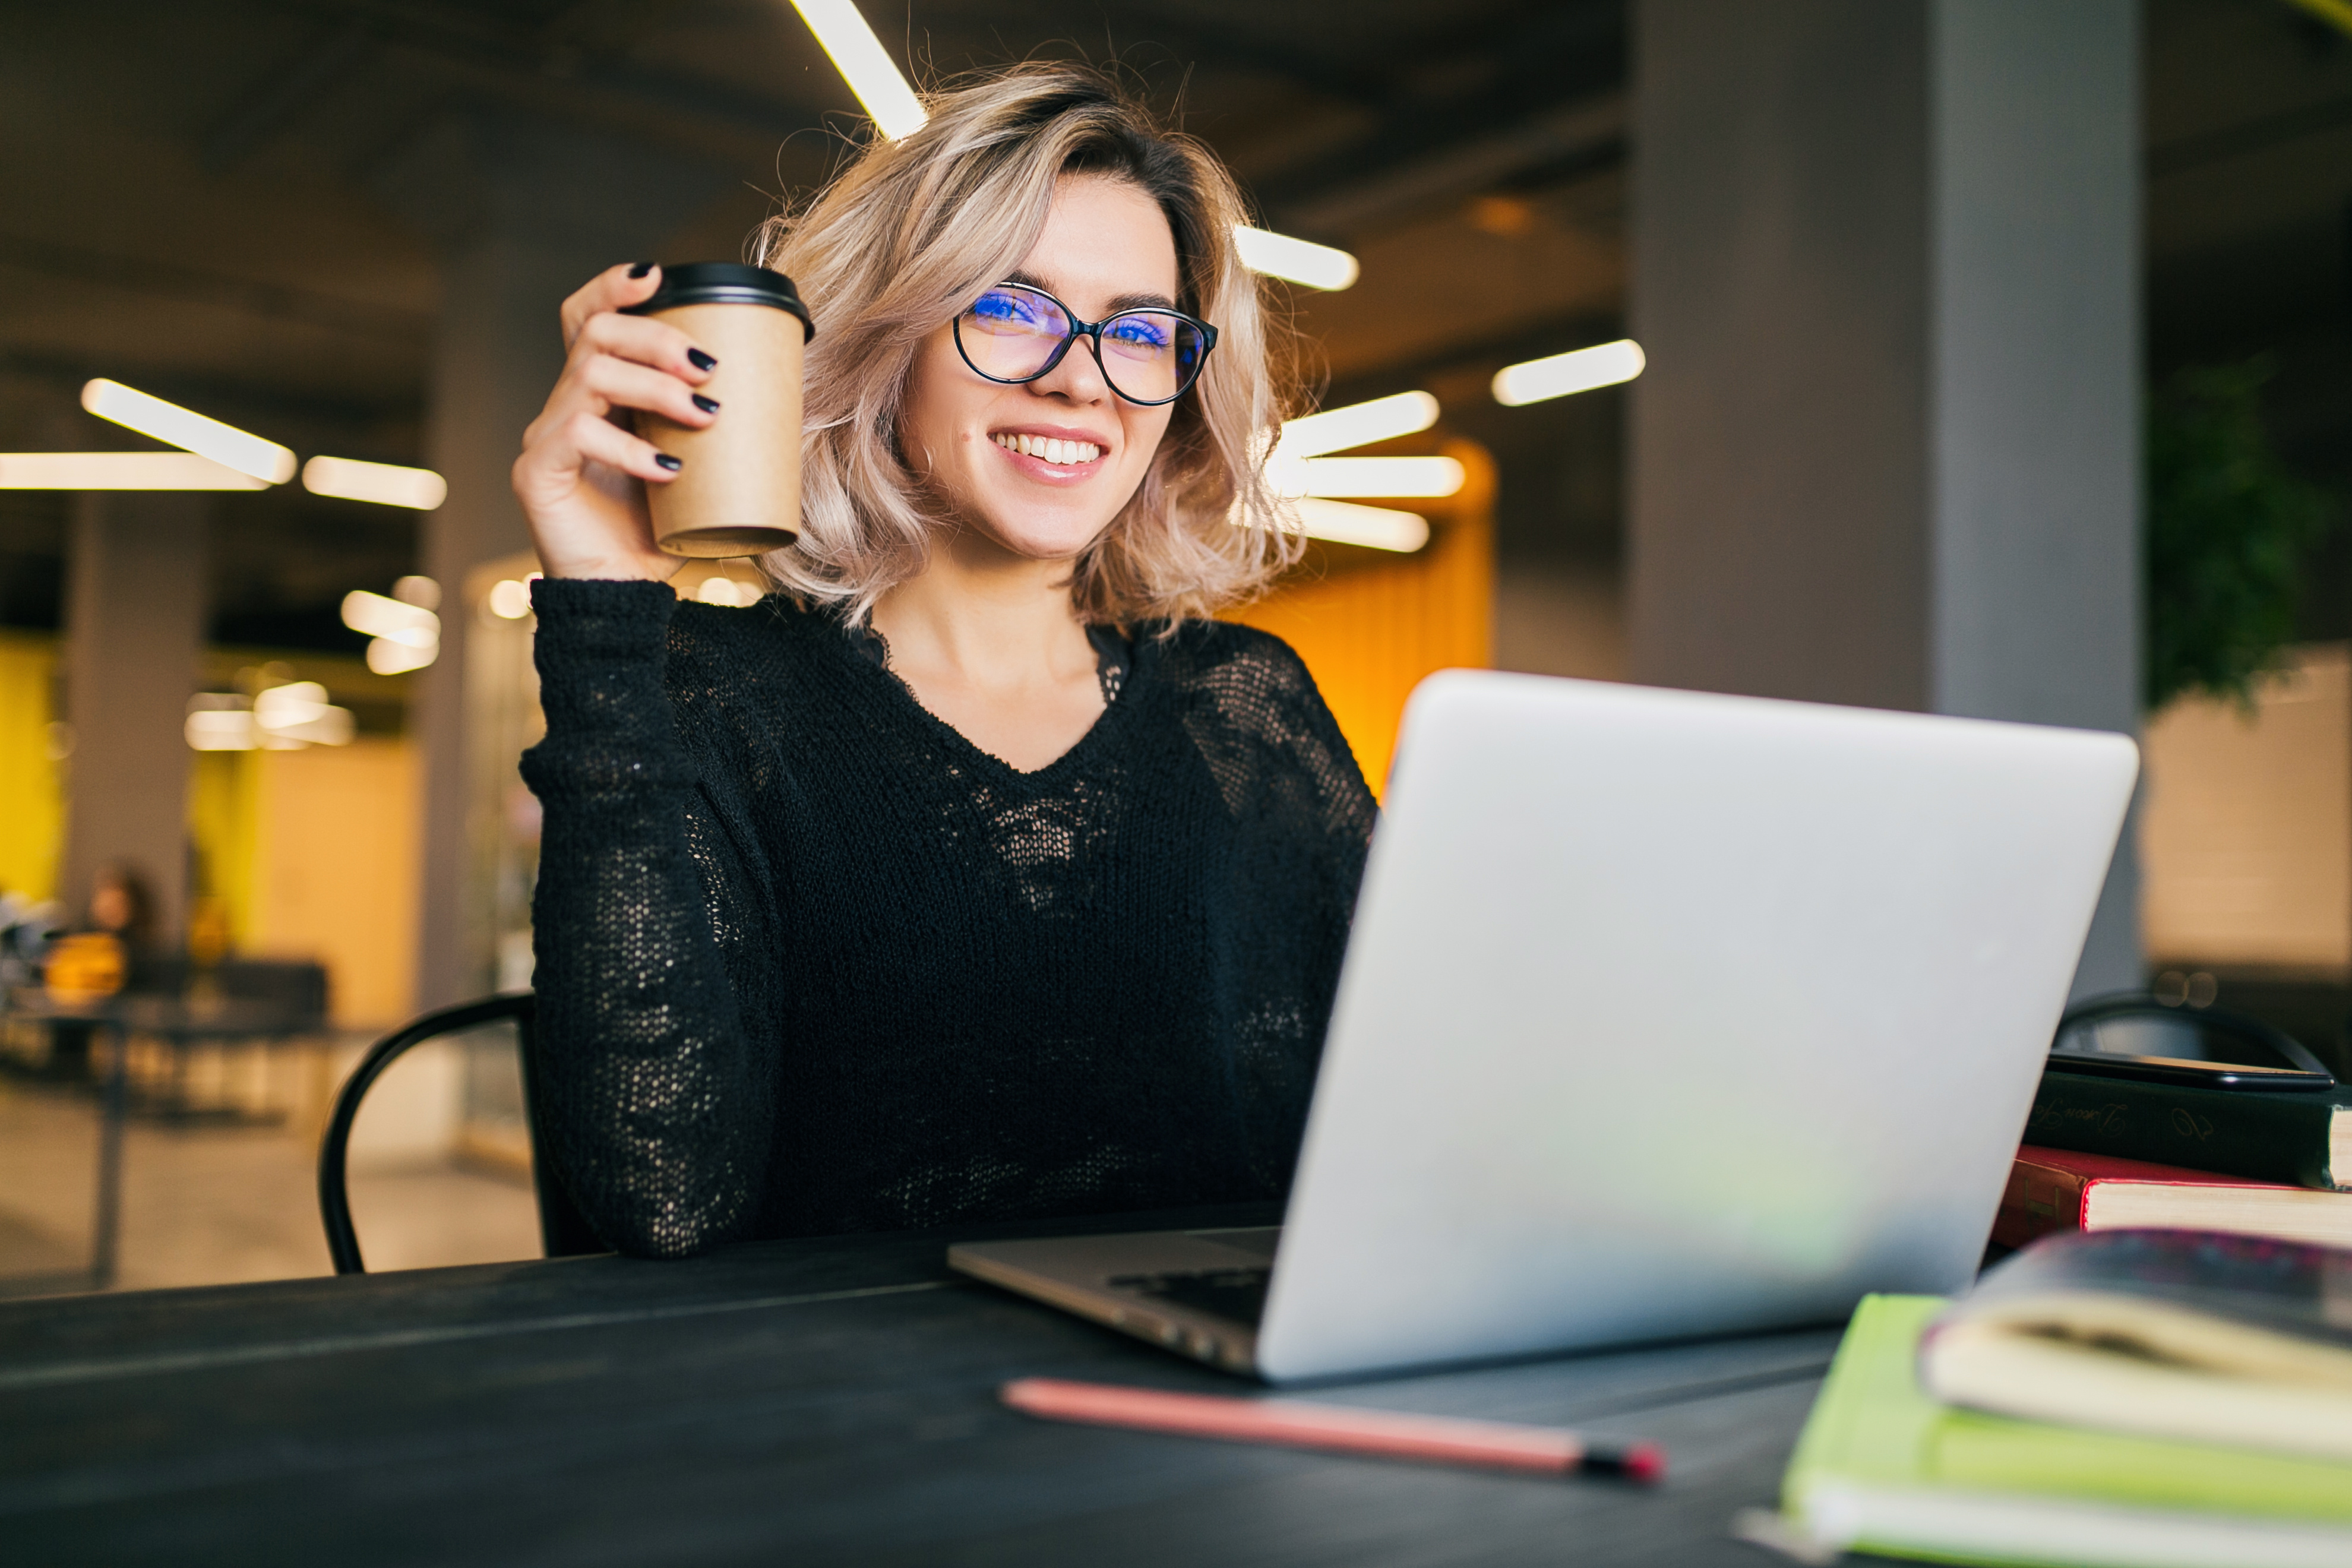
974, 873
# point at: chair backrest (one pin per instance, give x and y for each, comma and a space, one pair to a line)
562, 1230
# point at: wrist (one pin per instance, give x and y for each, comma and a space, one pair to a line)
611, 568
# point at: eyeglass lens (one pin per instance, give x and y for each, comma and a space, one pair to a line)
1010, 333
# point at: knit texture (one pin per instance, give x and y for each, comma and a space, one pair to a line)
811, 961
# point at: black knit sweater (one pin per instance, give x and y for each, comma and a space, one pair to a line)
811, 961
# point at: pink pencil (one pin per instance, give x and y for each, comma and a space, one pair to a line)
1544, 1451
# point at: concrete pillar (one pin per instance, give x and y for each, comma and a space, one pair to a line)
523, 212
1885, 269
134, 626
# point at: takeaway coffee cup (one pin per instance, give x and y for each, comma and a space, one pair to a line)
739, 491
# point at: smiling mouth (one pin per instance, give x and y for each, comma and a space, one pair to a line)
1062, 454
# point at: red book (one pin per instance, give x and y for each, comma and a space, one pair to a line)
2058, 1189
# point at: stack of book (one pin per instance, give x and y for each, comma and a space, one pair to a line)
2156, 1399
2105, 1153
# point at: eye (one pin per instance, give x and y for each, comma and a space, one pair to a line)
997, 307
1139, 333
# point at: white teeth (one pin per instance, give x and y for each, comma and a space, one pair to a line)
1062, 454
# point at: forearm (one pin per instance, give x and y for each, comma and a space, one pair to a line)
655, 1112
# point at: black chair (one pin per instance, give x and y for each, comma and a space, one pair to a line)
561, 1227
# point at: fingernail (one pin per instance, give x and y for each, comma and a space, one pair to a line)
641, 269
666, 461
701, 361
708, 405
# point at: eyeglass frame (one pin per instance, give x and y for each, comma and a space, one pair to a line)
1090, 330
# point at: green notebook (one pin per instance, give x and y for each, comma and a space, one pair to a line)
1884, 1468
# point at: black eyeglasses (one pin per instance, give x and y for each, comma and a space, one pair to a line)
1014, 333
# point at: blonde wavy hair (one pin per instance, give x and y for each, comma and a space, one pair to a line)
912, 231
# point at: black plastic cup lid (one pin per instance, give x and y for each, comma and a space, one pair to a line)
724, 283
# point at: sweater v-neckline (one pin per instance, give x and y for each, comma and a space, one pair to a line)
1036, 781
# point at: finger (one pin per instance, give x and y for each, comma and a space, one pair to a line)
630, 283
617, 383
556, 460
646, 342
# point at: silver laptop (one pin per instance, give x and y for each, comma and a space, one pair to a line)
1663, 1014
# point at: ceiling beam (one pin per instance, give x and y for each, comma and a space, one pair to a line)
165, 280
1556, 93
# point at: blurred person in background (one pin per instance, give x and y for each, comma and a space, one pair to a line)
96, 961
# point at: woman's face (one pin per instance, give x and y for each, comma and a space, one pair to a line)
1106, 248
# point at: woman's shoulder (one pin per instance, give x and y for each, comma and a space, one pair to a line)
774, 626
757, 657
1198, 651
1250, 676
1249, 701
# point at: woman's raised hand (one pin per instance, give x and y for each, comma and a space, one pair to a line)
583, 472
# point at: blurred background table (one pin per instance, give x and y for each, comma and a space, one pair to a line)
830, 1400
272, 1004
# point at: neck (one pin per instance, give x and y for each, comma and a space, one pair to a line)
988, 617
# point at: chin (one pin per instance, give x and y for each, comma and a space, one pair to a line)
1045, 538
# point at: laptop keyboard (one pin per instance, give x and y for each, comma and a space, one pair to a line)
1238, 1294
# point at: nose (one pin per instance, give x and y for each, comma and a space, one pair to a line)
1078, 377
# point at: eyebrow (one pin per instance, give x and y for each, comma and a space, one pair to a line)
1144, 301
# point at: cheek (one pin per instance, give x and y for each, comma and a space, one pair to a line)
1146, 429
928, 418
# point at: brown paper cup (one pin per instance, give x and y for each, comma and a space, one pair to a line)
738, 490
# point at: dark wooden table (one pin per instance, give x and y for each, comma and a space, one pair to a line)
784, 1404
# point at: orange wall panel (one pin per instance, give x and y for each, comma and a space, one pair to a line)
1370, 631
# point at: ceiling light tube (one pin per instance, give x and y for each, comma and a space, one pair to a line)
1321, 267
375, 615
385, 484
865, 65
1357, 424
385, 656
224, 444
1382, 476
1374, 527
1560, 374
119, 471
509, 599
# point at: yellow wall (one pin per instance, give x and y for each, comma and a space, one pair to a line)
1370, 628
225, 826
32, 808
334, 870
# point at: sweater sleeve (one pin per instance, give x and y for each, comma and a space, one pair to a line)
658, 1112
1303, 820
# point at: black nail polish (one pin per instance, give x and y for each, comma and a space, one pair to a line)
708, 405
666, 461
641, 269
701, 361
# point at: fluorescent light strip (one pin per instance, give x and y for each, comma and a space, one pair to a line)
1380, 476
1561, 374
1374, 527
865, 65
375, 615
1357, 424
119, 471
386, 484
185, 427
385, 656
1300, 260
